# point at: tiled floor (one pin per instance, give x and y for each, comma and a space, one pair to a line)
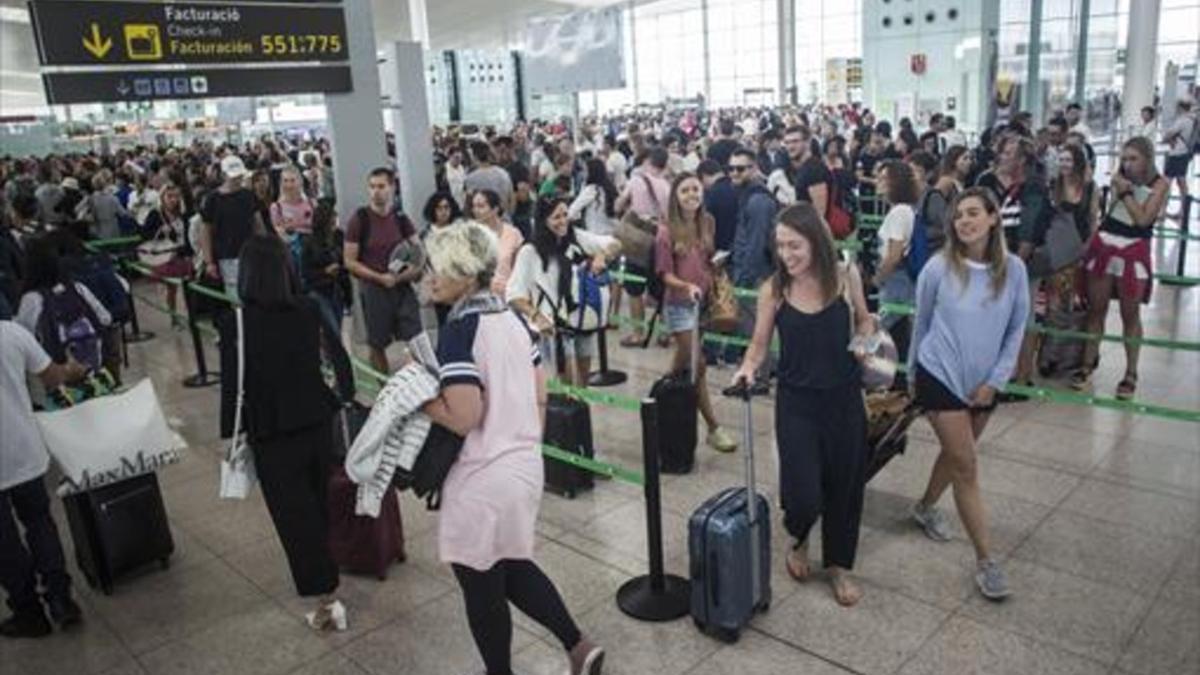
1096, 513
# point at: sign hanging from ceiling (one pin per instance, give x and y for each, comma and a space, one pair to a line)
151, 85
106, 33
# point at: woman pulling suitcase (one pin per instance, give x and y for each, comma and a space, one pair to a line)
820, 422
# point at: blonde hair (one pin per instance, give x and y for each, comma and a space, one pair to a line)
466, 249
997, 251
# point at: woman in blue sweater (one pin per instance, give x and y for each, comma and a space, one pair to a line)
972, 303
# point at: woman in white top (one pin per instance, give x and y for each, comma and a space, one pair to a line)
292, 213
541, 278
899, 187
596, 203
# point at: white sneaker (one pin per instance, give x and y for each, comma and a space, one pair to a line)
932, 521
721, 441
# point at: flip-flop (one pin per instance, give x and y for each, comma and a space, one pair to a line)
1127, 387
787, 563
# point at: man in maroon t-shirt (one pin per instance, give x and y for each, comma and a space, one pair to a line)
389, 302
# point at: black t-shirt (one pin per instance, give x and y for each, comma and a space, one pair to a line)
866, 164
722, 150
811, 173
231, 216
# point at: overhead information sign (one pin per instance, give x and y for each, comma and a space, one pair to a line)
105, 33
150, 85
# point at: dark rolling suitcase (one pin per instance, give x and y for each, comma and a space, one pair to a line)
118, 528
569, 428
889, 415
729, 549
361, 544
675, 394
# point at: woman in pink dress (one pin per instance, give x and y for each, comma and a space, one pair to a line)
493, 394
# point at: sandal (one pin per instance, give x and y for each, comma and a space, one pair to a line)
796, 563
634, 340
1081, 379
845, 592
1127, 387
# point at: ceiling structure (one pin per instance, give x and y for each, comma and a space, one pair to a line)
453, 24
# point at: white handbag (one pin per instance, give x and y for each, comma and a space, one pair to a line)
237, 467
158, 251
109, 438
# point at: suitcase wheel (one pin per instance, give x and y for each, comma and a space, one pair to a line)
727, 635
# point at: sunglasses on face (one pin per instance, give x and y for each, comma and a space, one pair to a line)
739, 168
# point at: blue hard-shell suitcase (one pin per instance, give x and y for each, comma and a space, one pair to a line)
729, 549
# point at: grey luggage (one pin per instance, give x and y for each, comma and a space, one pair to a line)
729, 548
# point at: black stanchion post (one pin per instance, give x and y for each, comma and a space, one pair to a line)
656, 596
1185, 218
202, 378
135, 334
605, 377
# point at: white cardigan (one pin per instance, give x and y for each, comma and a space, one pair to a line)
392, 436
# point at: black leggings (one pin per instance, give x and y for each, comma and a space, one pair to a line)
487, 595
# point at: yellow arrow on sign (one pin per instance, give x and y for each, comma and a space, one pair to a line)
97, 44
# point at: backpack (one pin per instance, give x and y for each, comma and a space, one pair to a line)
1194, 139
97, 273
841, 221
919, 248
69, 327
585, 310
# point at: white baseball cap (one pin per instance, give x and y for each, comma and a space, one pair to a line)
233, 167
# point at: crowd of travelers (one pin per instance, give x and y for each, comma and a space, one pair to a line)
958, 229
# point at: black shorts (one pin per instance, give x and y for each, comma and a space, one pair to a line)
1177, 166
389, 314
635, 289
934, 396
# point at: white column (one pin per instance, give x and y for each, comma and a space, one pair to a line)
1140, 54
418, 22
785, 11
405, 103
354, 119
1032, 99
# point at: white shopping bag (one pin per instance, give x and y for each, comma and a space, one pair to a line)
110, 438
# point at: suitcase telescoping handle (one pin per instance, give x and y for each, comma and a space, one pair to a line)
742, 390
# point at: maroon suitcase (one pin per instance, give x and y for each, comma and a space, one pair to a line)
362, 544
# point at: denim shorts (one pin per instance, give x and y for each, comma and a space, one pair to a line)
680, 318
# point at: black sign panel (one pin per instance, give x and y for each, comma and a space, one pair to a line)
112, 86
101, 32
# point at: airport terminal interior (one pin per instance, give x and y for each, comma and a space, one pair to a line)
158, 158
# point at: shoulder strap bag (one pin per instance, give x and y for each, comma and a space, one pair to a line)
237, 467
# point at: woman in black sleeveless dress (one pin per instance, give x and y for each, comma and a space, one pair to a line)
820, 422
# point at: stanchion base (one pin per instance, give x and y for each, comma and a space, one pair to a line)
607, 378
202, 380
1180, 284
140, 336
638, 600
